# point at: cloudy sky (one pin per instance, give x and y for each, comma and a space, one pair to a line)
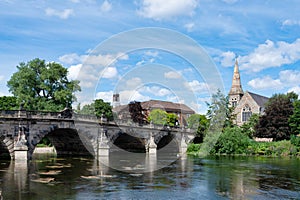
88, 36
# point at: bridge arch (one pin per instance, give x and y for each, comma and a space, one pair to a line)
66, 141
6, 147
128, 142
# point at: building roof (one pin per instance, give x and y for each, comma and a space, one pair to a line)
260, 100
156, 104
167, 106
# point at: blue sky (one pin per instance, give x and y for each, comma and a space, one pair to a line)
263, 34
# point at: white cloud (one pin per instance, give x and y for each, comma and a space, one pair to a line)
106, 6
65, 14
167, 9
290, 22
172, 75
74, 71
1, 77
189, 26
230, 1
151, 53
110, 72
70, 58
127, 96
227, 59
265, 83
295, 89
197, 86
157, 91
290, 77
106, 96
133, 83
271, 54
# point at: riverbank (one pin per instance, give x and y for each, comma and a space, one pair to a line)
279, 148
44, 150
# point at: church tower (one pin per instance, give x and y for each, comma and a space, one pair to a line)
236, 91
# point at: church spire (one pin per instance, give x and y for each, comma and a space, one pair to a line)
236, 91
236, 87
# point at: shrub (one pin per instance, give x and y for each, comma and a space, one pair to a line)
193, 148
295, 140
232, 141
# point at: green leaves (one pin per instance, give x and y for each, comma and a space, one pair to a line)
43, 86
161, 117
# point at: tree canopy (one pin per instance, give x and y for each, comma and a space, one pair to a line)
199, 122
294, 120
8, 103
98, 107
158, 116
275, 122
136, 112
42, 85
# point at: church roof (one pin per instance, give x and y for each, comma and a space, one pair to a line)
259, 99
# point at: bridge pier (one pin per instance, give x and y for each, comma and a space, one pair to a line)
103, 147
183, 144
151, 147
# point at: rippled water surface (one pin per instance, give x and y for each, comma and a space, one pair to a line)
48, 177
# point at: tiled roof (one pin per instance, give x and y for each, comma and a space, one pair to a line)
260, 100
167, 106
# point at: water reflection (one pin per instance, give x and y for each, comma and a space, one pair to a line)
187, 178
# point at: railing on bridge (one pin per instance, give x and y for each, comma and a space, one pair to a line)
81, 117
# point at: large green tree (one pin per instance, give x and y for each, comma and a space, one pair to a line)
98, 108
275, 122
199, 122
158, 116
42, 85
8, 103
294, 120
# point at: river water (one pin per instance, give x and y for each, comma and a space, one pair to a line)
49, 177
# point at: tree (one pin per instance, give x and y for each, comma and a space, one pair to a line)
8, 103
199, 122
98, 107
158, 116
136, 112
294, 120
172, 119
248, 128
275, 122
219, 110
43, 86
104, 108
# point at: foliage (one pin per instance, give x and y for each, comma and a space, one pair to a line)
232, 141
136, 112
104, 108
199, 122
295, 140
294, 120
43, 86
219, 111
248, 128
193, 148
172, 119
279, 148
8, 103
158, 116
275, 122
98, 107
45, 142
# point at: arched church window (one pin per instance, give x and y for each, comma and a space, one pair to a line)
246, 113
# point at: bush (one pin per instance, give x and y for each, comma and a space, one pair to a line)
193, 148
295, 140
232, 141
281, 148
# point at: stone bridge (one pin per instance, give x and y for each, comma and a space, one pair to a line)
74, 134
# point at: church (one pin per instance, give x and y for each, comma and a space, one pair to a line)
245, 104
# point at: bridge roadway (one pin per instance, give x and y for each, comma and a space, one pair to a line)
74, 134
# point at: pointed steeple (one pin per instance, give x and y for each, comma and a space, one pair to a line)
236, 87
236, 91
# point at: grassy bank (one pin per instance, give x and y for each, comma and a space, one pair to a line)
280, 148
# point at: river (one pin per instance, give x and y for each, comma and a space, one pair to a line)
220, 177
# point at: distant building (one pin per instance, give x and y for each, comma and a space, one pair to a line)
245, 104
181, 110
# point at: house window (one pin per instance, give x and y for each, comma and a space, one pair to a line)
234, 103
246, 113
